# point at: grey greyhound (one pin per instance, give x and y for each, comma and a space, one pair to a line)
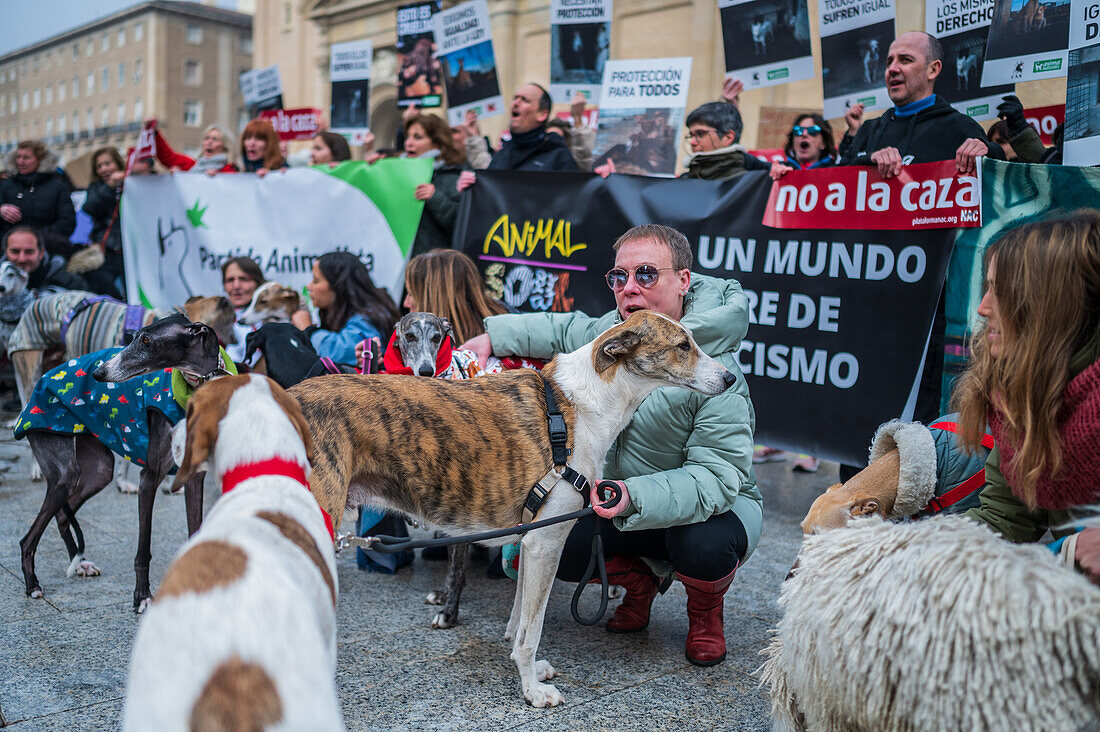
79, 465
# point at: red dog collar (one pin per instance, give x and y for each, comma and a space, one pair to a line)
273, 466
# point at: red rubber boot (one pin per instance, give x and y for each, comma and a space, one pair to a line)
706, 641
641, 585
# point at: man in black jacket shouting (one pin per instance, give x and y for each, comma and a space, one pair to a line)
922, 127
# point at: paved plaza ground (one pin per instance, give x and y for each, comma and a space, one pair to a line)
63, 658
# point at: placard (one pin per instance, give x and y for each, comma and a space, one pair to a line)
855, 38
419, 72
1082, 130
1028, 40
766, 42
262, 89
962, 28
294, 124
580, 44
349, 72
464, 43
642, 114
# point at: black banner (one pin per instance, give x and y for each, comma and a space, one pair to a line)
838, 319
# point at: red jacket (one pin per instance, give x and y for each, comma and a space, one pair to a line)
169, 158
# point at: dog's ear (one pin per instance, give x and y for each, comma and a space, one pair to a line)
866, 506
207, 337
448, 330
612, 349
294, 411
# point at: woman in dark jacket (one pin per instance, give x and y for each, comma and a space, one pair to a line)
810, 145
428, 136
102, 205
36, 196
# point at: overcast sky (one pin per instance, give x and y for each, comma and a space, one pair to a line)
28, 21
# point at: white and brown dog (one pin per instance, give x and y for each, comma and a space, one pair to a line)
242, 634
462, 455
271, 303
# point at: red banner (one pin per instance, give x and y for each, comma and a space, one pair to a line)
771, 155
294, 124
1045, 119
922, 196
146, 145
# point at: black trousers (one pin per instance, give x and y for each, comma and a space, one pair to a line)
707, 551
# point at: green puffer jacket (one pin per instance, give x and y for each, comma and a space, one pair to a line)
684, 456
1006, 514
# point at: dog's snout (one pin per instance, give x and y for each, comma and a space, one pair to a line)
729, 378
426, 370
100, 373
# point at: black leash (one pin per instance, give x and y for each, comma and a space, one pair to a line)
393, 544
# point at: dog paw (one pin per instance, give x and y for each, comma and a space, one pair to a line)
435, 597
442, 620
81, 567
10, 424
543, 695
36, 472
35, 593
544, 671
142, 606
125, 486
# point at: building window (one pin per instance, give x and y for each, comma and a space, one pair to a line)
49, 127
138, 111
192, 114
139, 30
76, 51
192, 72
104, 116
49, 93
61, 124
194, 34
106, 79
121, 74
60, 91
89, 84
89, 47
137, 70
120, 114
287, 14
37, 97
26, 98
246, 44
34, 64
121, 37
105, 42
89, 119
76, 87
76, 122
14, 104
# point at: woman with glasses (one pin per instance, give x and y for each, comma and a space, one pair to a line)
684, 463
810, 145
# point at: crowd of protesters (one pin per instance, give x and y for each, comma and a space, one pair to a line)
704, 495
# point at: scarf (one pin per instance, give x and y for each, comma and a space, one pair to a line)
392, 363
720, 164
1078, 482
214, 162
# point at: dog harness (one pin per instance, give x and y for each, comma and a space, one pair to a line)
968, 486
272, 466
559, 449
131, 322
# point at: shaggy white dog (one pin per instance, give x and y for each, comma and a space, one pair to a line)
933, 625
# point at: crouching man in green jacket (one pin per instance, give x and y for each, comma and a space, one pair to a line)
685, 460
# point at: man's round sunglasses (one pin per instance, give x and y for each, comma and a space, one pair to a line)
645, 275
812, 131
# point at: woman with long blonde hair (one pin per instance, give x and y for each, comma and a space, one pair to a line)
1035, 379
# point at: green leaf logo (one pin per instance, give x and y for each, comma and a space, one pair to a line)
195, 214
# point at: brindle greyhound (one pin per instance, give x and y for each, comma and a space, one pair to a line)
77, 466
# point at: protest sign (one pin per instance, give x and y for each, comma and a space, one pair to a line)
284, 222
1027, 41
766, 42
1045, 120
262, 89
419, 72
464, 43
1082, 130
146, 145
962, 27
641, 114
855, 37
349, 72
922, 196
580, 43
835, 320
294, 124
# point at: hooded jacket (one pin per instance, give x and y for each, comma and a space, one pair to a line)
51, 276
932, 134
42, 197
535, 149
684, 456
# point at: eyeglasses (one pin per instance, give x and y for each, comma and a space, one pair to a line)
645, 275
699, 134
813, 131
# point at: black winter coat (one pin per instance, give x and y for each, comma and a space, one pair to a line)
44, 200
929, 135
437, 223
535, 150
101, 204
51, 276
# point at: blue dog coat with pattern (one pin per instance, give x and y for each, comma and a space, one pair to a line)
69, 401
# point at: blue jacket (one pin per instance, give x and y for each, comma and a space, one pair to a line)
340, 345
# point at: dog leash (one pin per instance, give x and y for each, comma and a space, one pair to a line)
596, 564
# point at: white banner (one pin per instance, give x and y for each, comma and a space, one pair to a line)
1027, 41
464, 44
962, 29
1082, 130
855, 38
178, 229
261, 85
580, 44
642, 114
766, 42
349, 71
